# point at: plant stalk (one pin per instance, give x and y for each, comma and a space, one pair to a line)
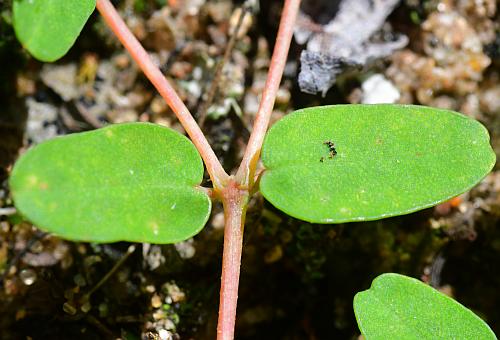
235, 203
234, 193
217, 174
245, 174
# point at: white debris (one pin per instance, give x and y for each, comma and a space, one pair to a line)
348, 41
185, 249
62, 79
42, 118
164, 334
153, 257
378, 90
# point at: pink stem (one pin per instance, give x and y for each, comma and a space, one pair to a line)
234, 193
218, 175
245, 174
235, 203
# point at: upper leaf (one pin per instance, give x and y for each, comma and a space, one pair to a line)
391, 160
400, 307
48, 28
134, 182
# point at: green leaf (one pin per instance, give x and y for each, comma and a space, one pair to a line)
135, 182
48, 28
400, 307
391, 160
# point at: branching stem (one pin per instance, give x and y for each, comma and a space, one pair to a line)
234, 192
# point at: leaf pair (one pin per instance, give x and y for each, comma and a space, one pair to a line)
140, 182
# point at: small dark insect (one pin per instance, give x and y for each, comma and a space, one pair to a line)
322, 159
331, 148
329, 143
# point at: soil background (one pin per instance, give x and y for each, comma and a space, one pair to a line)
297, 279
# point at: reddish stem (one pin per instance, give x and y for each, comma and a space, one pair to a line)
233, 192
218, 175
235, 202
234, 199
245, 174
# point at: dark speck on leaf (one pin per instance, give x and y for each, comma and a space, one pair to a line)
331, 148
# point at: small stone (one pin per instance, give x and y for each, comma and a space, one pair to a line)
159, 315
137, 26
153, 256
447, 290
86, 307
435, 224
79, 280
11, 287
4, 226
378, 90
150, 288
25, 85
62, 79
185, 249
218, 11
122, 61
156, 301
181, 69
217, 36
164, 334
161, 28
69, 308
158, 105
42, 118
175, 292
164, 122
103, 310
37, 247
28, 276
218, 221
274, 254
490, 100
283, 96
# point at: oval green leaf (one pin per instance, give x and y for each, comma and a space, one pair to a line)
391, 160
135, 182
400, 307
48, 28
